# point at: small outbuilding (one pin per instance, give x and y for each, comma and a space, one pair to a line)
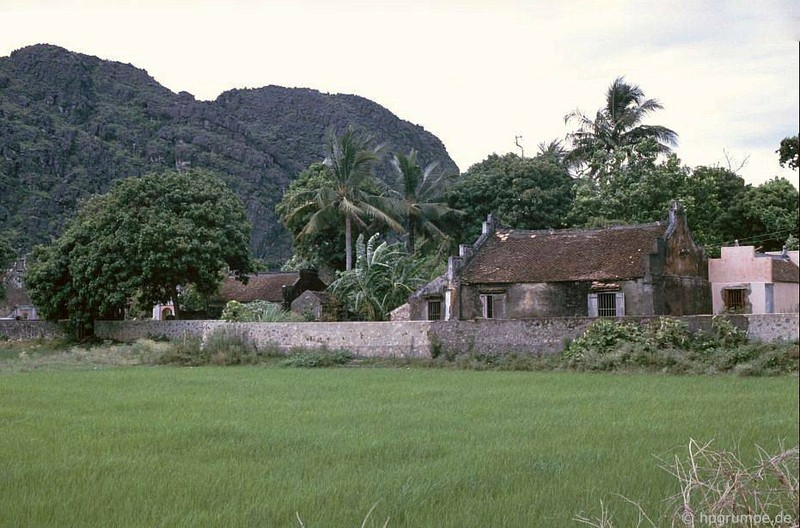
746, 281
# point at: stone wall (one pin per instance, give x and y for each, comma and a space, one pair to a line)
772, 327
16, 330
425, 338
388, 339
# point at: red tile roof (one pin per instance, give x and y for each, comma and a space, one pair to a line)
785, 271
260, 287
512, 256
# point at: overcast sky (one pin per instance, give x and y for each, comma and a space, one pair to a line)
476, 73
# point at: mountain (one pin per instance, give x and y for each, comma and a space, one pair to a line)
71, 124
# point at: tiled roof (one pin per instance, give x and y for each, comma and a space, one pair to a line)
785, 271
511, 256
260, 287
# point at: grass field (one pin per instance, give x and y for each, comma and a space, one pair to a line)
250, 446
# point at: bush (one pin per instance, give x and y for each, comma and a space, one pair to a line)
225, 346
317, 358
257, 311
667, 345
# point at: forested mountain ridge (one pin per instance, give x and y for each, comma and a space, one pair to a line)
70, 124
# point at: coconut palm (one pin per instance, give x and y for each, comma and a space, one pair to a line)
420, 191
350, 161
617, 124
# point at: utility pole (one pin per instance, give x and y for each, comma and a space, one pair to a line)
516, 140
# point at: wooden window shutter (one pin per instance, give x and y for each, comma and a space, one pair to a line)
592, 305
620, 304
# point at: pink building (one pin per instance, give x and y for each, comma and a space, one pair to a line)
744, 281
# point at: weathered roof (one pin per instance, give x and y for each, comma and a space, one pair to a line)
512, 256
785, 271
260, 287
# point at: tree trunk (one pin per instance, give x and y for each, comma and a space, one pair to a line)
410, 238
175, 303
348, 244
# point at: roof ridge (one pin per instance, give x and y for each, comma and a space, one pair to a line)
579, 230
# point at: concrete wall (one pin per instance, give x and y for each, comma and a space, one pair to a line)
787, 297
424, 338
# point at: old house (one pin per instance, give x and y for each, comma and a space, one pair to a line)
644, 269
16, 303
746, 281
276, 287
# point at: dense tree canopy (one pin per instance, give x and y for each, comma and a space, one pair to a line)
789, 152
142, 240
531, 193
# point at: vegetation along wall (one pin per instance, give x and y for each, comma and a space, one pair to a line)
423, 338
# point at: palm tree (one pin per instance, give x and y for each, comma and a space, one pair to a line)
350, 161
618, 124
420, 192
383, 278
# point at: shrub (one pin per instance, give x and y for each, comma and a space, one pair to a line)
225, 346
257, 311
317, 358
667, 345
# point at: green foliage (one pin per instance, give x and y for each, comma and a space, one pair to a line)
257, 311
771, 213
789, 152
225, 346
615, 126
531, 193
343, 194
143, 239
634, 186
382, 279
421, 200
72, 124
322, 358
668, 345
325, 247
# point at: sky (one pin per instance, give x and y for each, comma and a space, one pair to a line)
476, 73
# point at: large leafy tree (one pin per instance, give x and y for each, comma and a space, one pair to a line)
640, 191
350, 159
382, 279
789, 152
714, 198
530, 193
142, 240
617, 124
422, 205
771, 213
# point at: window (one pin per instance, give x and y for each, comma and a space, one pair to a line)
493, 305
607, 304
734, 299
434, 309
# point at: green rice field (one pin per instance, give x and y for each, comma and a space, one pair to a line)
272, 447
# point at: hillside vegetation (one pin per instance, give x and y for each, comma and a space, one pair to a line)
70, 124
